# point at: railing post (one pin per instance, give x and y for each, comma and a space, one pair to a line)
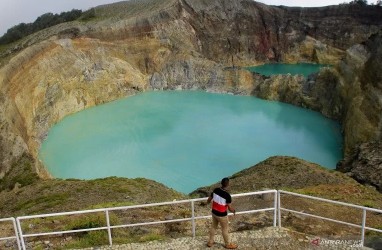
108, 227
279, 208
275, 207
20, 234
363, 226
193, 218
16, 233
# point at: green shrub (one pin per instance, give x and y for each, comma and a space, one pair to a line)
91, 239
88, 15
151, 237
43, 202
44, 21
370, 204
88, 221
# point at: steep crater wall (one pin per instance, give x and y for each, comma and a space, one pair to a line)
185, 44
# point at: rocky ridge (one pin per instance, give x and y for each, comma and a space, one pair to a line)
365, 164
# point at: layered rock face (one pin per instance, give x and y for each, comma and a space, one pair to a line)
363, 120
351, 92
360, 75
58, 78
321, 92
187, 44
242, 32
365, 164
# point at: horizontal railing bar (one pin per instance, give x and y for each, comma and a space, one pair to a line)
253, 211
136, 206
373, 229
328, 219
8, 238
331, 201
150, 223
320, 217
138, 224
65, 232
101, 210
189, 219
255, 193
240, 195
203, 217
186, 219
242, 212
198, 199
62, 214
148, 205
7, 219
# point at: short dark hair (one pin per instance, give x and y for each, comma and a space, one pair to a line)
225, 182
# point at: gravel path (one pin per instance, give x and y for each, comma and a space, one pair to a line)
267, 238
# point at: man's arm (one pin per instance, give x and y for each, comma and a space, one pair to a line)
209, 199
231, 209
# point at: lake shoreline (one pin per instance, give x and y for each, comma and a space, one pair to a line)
168, 136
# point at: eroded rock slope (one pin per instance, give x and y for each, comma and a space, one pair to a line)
143, 45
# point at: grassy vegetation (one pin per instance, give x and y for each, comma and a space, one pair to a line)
21, 174
48, 201
98, 219
87, 221
4, 47
111, 204
88, 15
94, 238
151, 237
47, 196
100, 238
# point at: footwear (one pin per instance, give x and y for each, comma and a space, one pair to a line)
209, 244
231, 246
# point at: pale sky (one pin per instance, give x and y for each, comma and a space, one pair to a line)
13, 12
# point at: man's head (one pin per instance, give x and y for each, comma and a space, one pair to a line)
225, 182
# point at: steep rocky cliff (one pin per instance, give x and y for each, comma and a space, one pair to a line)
351, 92
363, 121
142, 45
365, 164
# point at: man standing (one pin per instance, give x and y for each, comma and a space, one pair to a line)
221, 200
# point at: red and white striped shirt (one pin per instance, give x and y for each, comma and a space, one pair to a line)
220, 201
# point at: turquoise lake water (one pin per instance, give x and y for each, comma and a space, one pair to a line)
185, 139
304, 69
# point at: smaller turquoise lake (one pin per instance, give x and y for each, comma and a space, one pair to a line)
270, 69
185, 139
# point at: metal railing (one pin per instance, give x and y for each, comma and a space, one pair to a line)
109, 226
15, 237
363, 221
276, 208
